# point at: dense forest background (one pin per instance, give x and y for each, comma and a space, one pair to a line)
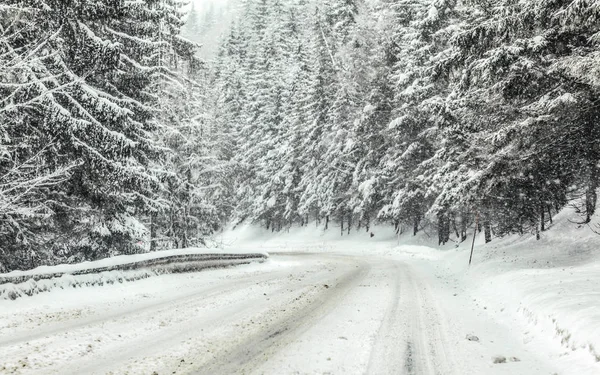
115, 138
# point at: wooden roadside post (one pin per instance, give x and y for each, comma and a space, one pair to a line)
474, 235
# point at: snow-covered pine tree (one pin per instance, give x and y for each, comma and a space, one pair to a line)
256, 122
25, 174
263, 63
227, 111
456, 87
334, 29
318, 99
281, 166
413, 133
375, 56
526, 94
89, 96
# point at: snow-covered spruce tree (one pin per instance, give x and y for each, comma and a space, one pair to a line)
255, 122
298, 158
258, 60
227, 100
526, 84
281, 170
375, 54
331, 180
413, 135
25, 175
319, 93
269, 87
88, 95
188, 168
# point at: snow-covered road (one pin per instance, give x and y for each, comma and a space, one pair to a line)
296, 313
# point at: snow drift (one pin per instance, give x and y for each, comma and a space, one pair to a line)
117, 270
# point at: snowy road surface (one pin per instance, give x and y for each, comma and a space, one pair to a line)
295, 314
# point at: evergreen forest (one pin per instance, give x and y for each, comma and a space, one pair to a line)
435, 115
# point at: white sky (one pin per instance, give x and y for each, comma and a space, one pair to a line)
225, 10
204, 4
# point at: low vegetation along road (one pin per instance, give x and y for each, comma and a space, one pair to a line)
296, 313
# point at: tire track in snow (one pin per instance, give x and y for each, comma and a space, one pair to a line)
147, 309
427, 340
250, 353
410, 339
215, 330
387, 353
233, 328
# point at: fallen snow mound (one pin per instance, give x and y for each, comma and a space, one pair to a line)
118, 269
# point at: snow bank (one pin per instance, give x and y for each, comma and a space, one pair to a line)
547, 291
551, 288
308, 238
118, 269
121, 260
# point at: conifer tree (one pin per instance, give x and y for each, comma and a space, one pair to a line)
89, 94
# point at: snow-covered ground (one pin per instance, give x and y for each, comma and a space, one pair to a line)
545, 294
323, 303
119, 269
306, 313
118, 260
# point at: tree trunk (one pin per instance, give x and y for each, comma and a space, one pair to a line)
184, 240
455, 227
550, 213
590, 194
416, 225
349, 223
342, 224
542, 217
440, 229
521, 226
487, 230
153, 217
592, 157
184, 230
463, 228
326, 222
443, 228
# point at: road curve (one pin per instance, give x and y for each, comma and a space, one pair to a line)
297, 314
